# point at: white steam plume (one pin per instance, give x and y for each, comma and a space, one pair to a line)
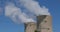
34, 7
16, 15
30, 5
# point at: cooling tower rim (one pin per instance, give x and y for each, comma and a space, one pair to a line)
30, 22
45, 15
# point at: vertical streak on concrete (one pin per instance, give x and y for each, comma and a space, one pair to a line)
39, 20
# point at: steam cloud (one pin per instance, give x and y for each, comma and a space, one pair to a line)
16, 15
32, 6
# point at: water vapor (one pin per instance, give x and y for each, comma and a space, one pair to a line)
16, 15
31, 6
34, 7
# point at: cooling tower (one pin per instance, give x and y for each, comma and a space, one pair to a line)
30, 26
44, 23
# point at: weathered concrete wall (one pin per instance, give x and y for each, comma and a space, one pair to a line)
30, 27
44, 23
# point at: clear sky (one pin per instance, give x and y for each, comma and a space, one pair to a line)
7, 25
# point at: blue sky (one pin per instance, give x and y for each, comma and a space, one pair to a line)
7, 25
